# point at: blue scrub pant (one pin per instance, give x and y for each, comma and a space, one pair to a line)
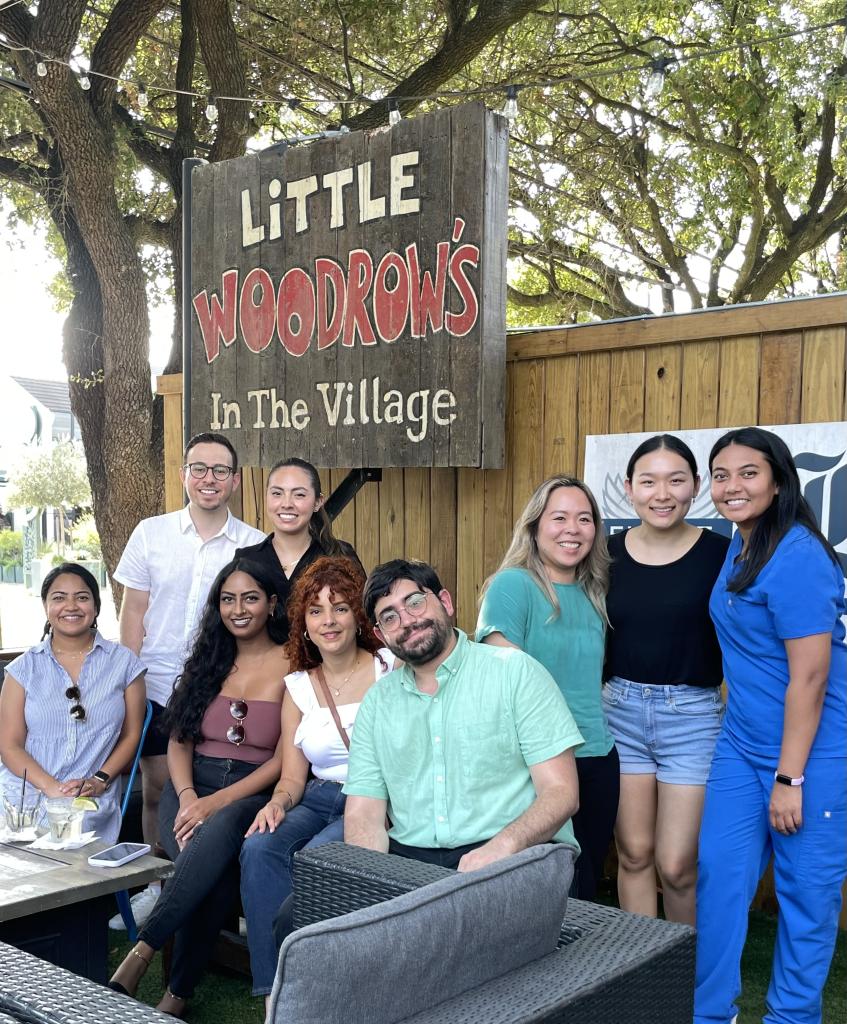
736, 842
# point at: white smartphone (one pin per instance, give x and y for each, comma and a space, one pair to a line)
114, 856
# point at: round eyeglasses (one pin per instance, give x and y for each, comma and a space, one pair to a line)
77, 711
414, 604
235, 733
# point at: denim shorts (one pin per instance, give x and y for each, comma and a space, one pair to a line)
666, 731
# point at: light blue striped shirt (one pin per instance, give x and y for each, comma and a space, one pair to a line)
63, 746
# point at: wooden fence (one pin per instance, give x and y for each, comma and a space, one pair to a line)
780, 362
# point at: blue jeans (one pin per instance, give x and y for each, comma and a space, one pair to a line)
267, 860
666, 731
197, 898
736, 842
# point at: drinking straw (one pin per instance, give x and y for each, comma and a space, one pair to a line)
23, 794
79, 791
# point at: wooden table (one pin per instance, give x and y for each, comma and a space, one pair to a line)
55, 905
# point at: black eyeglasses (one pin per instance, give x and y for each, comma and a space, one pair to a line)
235, 733
77, 710
199, 469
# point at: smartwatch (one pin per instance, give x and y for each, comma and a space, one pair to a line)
103, 777
786, 780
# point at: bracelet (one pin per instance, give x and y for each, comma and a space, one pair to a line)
184, 790
290, 799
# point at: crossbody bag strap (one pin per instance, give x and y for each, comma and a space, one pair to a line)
330, 703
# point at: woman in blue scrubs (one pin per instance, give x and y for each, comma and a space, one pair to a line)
778, 783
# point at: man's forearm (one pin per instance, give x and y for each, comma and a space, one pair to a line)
368, 834
540, 821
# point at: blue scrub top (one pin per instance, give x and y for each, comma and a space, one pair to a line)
799, 592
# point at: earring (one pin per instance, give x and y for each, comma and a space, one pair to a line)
358, 630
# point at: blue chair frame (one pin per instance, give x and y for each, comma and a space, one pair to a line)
124, 905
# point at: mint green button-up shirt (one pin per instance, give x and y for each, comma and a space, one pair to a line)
454, 766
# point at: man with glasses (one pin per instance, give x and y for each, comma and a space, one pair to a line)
167, 570
468, 748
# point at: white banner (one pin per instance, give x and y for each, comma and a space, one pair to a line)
819, 450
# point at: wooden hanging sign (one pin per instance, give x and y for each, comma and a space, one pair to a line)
349, 296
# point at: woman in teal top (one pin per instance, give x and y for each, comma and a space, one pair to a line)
548, 598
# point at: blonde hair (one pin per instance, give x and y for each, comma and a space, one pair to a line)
592, 573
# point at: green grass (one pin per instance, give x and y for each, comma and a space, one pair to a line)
224, 998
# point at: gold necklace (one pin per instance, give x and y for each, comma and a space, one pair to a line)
75, 654
337, 691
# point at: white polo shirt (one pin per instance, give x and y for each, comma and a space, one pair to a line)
167, 558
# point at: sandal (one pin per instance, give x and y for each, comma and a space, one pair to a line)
173, 1005
117, 986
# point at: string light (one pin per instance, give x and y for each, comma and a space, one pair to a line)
657, 69
143, 99
394, 115
510, 109
656, 81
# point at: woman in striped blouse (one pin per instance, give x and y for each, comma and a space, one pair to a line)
72, 706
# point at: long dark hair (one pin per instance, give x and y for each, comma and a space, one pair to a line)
787, 509
77, 570
320, 525
213, 654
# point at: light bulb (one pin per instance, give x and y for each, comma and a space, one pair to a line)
656, 81
211, 110
142, 95
510, 110
41, 69
84, 82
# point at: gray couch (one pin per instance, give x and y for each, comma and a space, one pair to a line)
601, 965
605, 965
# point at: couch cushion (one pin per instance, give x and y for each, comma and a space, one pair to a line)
386, 962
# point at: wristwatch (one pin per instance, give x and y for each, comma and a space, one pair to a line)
786, 780
103, 777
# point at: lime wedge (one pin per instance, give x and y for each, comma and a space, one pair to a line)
85, 803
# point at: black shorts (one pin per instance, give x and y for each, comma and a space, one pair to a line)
156, 740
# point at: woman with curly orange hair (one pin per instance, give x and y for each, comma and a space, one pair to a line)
335, 659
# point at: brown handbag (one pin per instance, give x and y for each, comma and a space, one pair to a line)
330, 703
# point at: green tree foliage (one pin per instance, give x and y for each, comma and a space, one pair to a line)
51, 477
727, 186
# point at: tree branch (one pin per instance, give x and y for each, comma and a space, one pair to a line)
117, 42
492, 18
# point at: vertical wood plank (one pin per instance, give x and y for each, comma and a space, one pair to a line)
823, 398
172, 412
442, 526
738, 404
344, 526
593, 408
528, 424
392, 539
471, 496
417, 512
662, 387
253, 497
626, 382
780, 377
560, 416
498, 491
700, 380
367, 526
